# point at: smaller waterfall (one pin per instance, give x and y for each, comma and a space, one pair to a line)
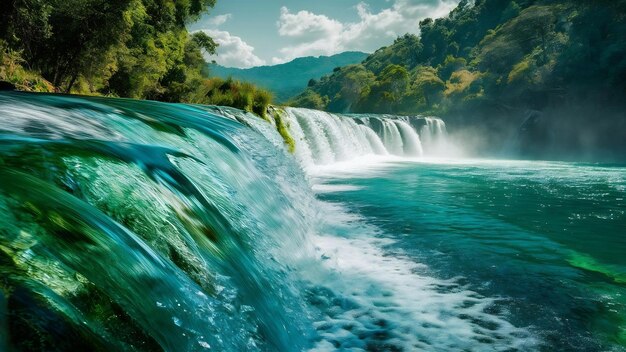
434, 135
323, 138
412, 143
392, 138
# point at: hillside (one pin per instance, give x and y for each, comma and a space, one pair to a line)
529, 75
288, 79
132, 49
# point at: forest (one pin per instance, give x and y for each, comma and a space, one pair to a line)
495, 65
136, 49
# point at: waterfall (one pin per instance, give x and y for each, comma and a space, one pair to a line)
412, 143
434, 135
138, 225
324, 138
392, 138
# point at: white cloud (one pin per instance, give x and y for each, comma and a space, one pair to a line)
322, 35
218, 20
232, 50
306, 24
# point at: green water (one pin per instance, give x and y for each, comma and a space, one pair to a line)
548, 239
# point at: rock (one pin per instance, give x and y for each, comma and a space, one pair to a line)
4, 85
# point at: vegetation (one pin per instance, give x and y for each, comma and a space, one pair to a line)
282, 127
241, 95
12, 71
489, 60
492, 50
138, 49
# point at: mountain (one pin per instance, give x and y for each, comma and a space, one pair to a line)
288, 79
547, 77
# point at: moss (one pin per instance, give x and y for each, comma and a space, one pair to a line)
282, 127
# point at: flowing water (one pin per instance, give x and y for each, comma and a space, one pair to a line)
128, 225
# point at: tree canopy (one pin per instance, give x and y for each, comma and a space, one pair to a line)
490, 52
127, 48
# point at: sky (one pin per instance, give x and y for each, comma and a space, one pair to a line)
268, 32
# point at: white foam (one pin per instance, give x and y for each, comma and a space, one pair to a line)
363, 165
326, 188
394, 301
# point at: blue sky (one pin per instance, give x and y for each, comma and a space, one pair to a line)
266, 32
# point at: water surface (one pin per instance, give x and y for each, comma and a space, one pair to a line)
545, 240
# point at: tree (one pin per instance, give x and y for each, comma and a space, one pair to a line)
355, 85
450, 65
204, 42
133, 48
395, 79
66, 38
428, 85
310, 99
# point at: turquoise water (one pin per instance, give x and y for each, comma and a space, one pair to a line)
547, 240
143, 226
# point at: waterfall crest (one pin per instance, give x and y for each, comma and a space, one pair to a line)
324, 138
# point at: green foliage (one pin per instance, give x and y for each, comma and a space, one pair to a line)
405, 51
428, 85
390, 88
511, 11
241, 95
460, 82
489, 53
311, 100
203, 41
450, 65
283, 129
138, 49
520, 70
64, 39
261, 101
533, 28
347, 88
13, 71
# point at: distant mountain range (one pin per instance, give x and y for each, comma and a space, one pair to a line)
288, 79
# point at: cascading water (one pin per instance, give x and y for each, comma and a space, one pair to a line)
411, 140
324, 138
131, 225
434, 135
128, 225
